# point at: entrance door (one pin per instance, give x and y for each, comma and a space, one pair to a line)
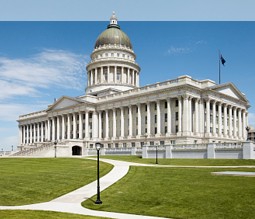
76, 150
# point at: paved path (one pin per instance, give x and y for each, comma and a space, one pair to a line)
71, 202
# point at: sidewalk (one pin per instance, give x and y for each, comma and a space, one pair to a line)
71, 202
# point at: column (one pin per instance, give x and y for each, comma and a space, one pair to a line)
49, 130
244, 125
74, 126
122, 125
95, 75
58, 128
24, 134
122, 75
234, 126
102, 74
80, 126
185, 114
39, 126
225, 120
219, 120
128, 75
100, 124
91, 77
115, 74
94, 125
196, 117
239, 124
214, 118
63, 127
106, 124
53, 129
130, 121
43, 126
190, 119
139, 126
230, 122
28, 134
148, 119
208, 116
34, 133
201, 117
114, 123
86, 124
179, 115
137, 79
68, 126
108, 74
169, 117
158, 118
133, 77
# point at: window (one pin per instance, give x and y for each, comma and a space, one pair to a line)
165, 105
155, 118
112, 54
176, 128
176, 116
145, 108
155, 106
145, 130
156, 131
165, 117
177, 102
165, 129
118, 76
133, 144
151, 142
145, 119
162, 142
124, 145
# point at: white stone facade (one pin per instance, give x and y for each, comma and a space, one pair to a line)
118, 113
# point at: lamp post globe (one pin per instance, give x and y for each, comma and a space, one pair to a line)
98, 201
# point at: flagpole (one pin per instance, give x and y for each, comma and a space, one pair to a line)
219, 66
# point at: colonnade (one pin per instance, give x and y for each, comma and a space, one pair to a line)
114, 74
182, 116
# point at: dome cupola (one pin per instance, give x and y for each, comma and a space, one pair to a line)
112, 67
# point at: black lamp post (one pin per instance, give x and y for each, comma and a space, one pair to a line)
247, 129
156, 154
55, 147
98, 201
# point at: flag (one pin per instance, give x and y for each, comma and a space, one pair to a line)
222, 60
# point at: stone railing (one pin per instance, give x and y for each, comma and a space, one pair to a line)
33, 151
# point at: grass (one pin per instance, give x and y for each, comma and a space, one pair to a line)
180, 193
10, 214
188, 162
27, 181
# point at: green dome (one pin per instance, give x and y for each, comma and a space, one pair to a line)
113, 35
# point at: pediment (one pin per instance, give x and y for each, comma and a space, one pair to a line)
230, 90
64, 102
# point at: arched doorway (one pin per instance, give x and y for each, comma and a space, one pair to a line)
76, 150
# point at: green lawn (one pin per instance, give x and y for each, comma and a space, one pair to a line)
26, 181
10, 214
188, 162
180, 193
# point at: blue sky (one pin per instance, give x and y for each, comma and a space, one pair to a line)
40, 61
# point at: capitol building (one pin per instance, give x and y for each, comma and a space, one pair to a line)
118, 113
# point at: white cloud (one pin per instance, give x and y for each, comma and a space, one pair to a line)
10, 112
178, 50
50, 67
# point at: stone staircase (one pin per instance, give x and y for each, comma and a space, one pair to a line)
36, 151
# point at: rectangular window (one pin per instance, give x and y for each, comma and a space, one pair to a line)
176, 128
151, 142
176, 102
145, 120
155, 106
145, 108
176, 116
162, 142
155, 130
165, 104
165, 117
155, 118
165, 129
